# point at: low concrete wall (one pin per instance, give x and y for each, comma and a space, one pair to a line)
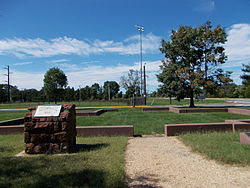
197, 110
156, 109
96, 113
6, 130
228, 125
18, 121
105, 130
177, 129
239, 111
245, 138
111, 110
173, 109
81, 131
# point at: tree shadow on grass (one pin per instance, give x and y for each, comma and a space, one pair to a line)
89, 147
146, 181
83, 178
31, 172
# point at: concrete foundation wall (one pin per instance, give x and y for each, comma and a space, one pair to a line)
245, 138
228, 125
96, 113
156, 109
239, 111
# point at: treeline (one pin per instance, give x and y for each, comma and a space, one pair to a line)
108, 91
231, 90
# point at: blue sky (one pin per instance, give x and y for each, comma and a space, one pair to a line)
95, 40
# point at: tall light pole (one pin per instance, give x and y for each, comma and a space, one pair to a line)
8, 82
140, 29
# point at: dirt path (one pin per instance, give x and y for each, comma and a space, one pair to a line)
165, 162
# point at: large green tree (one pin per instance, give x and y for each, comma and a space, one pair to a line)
197, 51
172, 86
96, 91
54, 82
246, 76
110, 89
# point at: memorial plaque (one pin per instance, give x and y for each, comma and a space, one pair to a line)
48, 111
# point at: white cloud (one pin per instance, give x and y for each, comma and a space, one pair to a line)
237, 49
68, 67
70, 46
86, 75
205, 6
58, 61
22, 63
238, 44
27, 80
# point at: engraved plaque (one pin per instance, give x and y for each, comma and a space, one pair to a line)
48, 111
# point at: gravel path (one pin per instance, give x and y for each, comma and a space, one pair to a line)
155, 162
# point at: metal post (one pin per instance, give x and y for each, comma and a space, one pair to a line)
145, 91
8, 82
109, 92
140, 29
141, 59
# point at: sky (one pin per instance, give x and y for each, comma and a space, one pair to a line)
93, 41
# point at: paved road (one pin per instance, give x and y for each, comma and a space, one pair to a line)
234, 102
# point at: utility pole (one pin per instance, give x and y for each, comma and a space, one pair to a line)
8, 82
145, 89
109, 92
140, 29
80, 95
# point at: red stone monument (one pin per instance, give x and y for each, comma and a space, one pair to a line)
50, 129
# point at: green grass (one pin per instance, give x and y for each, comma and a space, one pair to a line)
244, 107
151, 122
165, 101
99, 163
224, 147
122, 102
6, 115
77, 103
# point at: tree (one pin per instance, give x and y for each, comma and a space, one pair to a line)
197, 52
110, 89
131, 83
96, 91
54, 82
3, 93
172, 86
69, 94
246, 76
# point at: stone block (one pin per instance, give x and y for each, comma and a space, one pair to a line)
50, 134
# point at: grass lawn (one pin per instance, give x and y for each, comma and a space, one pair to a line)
6, 115
99, 163
221, 146
151, 122
77, 103
150, 101
165, 101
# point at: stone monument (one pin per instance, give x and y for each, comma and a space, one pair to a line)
50, 129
